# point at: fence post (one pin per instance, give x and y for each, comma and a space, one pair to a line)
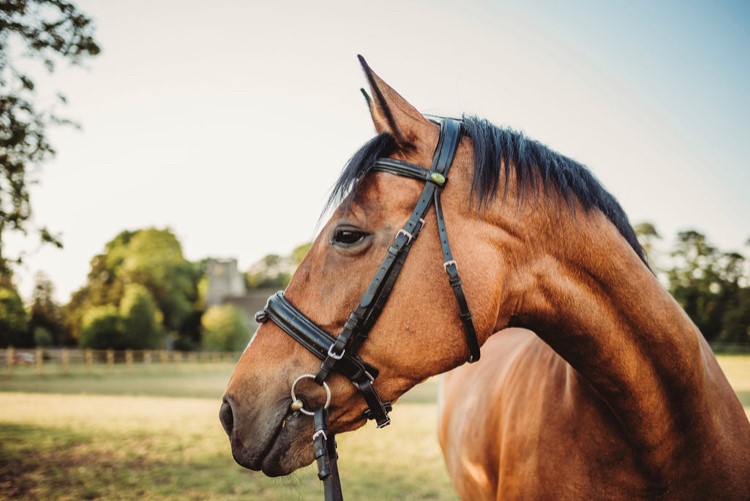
147, 360
9, 360
39, 360
129, 361
65, 361
89, 358
110, 360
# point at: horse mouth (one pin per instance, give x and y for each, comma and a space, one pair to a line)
277, 456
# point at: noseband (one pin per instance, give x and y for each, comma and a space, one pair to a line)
340, 353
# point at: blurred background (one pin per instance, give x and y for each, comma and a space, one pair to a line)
164, 166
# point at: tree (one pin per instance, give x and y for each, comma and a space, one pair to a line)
48, 31
14, 321
694, 281
141, 319
153, 259
224, 329
274, 270
271, 271
46, 315
102, 328
708, 284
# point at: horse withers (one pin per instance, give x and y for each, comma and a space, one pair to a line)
615, 396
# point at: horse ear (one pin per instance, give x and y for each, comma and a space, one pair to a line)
392, 113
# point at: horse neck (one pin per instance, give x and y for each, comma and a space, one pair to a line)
591, 298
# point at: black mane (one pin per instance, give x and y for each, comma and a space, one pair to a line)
497, 150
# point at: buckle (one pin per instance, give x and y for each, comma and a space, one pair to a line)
333, 354
405, 233
448, 263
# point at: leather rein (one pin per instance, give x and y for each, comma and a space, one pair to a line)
340, 353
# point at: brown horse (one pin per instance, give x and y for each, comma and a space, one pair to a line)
616, 396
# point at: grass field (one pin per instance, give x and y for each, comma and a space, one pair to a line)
155, 435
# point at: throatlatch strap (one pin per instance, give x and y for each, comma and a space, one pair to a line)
451, 268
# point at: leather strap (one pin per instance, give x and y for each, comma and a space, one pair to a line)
340, 353
451, 268
324, 451
318, 342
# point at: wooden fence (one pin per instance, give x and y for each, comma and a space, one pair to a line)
67, 361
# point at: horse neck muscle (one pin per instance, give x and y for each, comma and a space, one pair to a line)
590, 297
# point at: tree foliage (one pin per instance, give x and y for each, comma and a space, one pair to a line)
712, 286
46, 315
275, 271
14, 320
224, 329
152, 259
102, 328
47, 31
141, 319
272, 271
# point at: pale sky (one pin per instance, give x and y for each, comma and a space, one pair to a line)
228, 121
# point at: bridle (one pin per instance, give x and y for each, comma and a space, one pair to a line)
340, 353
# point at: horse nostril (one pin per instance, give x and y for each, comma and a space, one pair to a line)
226, 416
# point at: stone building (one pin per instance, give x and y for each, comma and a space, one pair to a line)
226, 285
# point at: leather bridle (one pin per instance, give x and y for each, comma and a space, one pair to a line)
340, 353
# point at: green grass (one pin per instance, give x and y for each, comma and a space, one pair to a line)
115, 436
121, 447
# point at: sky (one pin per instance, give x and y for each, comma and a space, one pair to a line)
229, 121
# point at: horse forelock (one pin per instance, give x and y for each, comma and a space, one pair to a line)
359, 165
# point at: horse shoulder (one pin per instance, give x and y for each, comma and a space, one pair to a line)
523, 424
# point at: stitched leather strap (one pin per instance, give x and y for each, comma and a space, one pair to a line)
340, 353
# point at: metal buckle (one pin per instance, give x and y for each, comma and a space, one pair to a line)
318, 433
333, 354
405, 233
448, 263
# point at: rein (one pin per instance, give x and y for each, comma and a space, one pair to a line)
340, 353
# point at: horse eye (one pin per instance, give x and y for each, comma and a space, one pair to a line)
347, 237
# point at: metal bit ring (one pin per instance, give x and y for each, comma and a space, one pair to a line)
325, 387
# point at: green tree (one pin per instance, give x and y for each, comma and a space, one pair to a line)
14, 321
694, 281
271, 271
48, 31
224, 329
102, 328
46, 314
711, 286
153, 259
141, 319
735, 328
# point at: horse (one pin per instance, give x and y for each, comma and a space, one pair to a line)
593, 382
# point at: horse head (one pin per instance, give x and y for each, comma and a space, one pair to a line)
419, 332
